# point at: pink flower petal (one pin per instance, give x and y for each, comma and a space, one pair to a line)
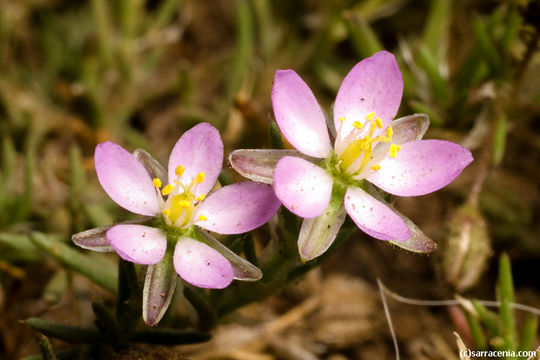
303, 187
200, 265
200, 149
373, 217
299, 115
373, 85
138, 243
421, 167
125, 179
238, 208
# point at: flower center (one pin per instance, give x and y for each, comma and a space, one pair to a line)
181, 201
359, 150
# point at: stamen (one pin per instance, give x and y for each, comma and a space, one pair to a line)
200, 177
370, 116
341, 119
390, 131
376, 167
394, 149
157, 182
200, 197
166, 212
179, 170
357, 124
167, 189
378, 122
202, 218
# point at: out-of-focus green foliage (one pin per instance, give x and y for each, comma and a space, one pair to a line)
497, 330
141, 72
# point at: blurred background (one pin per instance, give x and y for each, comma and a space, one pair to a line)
140, 73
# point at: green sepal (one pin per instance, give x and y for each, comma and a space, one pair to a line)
317, 234
159, 285
274, 134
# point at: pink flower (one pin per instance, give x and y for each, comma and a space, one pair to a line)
325, 182
183, 205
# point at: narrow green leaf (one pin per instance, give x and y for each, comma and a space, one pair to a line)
56, 287
437, 27
429, 63
170, 336
435, 117
249, 249
8, 161
101, 271
528, 333
129, 295
69, 333
364, 39
505, 282
46, 347
19, 242
511, 30
207, 314
244, 46
506, 296
68, 354
25, 203
166, 12
488, 318
477, 333
499, 139
486, 46
103, 25
107, 323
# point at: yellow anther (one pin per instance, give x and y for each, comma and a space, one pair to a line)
157, 183
378, 122
200, 197
167, 189
376, 167
179, 170
184, 203
341, 119
200, 177
166, 212
394, 148
370, 116
390, 131
357, 124
202, 217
